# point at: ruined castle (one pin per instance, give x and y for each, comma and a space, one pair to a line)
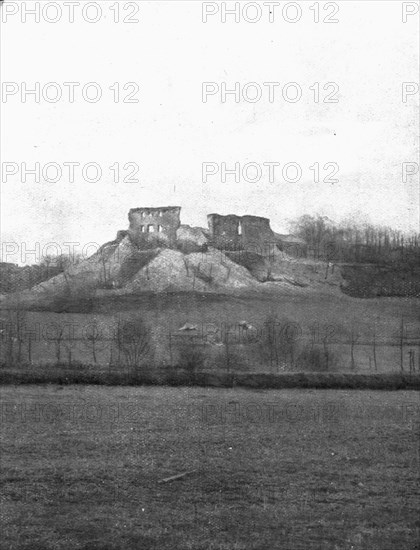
231, 232
154, 224
235, 232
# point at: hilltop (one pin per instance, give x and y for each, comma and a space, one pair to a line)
159, 254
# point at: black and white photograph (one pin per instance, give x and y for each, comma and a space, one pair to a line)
209, 275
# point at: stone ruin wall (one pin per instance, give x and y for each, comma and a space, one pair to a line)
250, 233
151, 225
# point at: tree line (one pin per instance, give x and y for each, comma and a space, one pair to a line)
353, 242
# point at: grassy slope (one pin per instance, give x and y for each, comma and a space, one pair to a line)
367, 281
293, 470
334, 315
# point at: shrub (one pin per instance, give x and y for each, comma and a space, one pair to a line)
230, 359
133, 342
316, 358
191, 357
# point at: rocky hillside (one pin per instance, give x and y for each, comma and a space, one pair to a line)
121, 267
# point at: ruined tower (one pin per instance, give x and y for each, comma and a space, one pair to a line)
231, 232
154, 225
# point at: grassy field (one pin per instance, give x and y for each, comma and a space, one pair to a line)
269, 470
338, 318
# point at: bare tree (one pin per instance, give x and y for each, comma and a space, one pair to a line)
29, 347
58, 341
279, 341
105, 277
326, 351
411, 355
374, 348
170, 346
8, 340
133, 340
13, 335
20, 324
269, 343
227, 345
353, 341
68, 347
93, 336
61, 261
402, 344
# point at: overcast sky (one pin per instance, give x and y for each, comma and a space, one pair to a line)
170, 131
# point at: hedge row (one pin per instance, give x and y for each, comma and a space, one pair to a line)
178, 377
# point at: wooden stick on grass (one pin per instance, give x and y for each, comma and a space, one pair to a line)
178, 476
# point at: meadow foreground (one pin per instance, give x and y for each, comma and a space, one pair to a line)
87, 468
